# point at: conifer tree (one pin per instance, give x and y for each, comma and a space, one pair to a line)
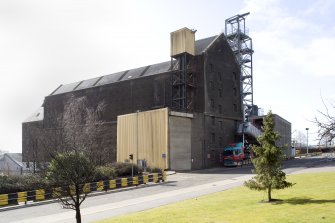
268, 161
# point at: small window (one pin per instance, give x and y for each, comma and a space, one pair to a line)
211, 67
235, 108
220, 109
220, 93
212, 103
211, 84
213, 137
235, 91
235, 76
213, 120
221, 125
219, 76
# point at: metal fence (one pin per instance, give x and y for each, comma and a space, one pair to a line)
53, 193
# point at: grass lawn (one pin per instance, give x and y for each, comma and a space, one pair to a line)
312, 199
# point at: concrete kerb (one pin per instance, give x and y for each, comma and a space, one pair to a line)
92, 194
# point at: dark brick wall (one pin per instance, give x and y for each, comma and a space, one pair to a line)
222, 99
216, 104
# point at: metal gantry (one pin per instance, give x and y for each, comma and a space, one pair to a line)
183, 82
241, 44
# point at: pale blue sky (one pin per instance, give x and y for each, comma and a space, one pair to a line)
47, 43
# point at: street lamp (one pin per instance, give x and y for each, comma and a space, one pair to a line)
307, 138
137, 160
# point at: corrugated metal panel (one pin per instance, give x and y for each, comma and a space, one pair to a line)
111, 78
158, 68
150, 130
134, 73
198, 48
182, 41
88, 83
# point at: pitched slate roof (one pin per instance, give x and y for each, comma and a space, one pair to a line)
200, 47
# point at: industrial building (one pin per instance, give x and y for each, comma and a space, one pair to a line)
173, 115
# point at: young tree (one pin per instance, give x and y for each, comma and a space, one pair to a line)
268, 161
71, 170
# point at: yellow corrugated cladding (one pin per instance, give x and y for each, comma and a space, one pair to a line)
3, 199
183, 41
145, 134
21, 196
40, 195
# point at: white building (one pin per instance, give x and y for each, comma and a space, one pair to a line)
11, 164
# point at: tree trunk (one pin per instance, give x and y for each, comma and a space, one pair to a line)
78, 215
269, 194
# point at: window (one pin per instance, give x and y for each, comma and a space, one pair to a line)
220, 109
213, 137
221, 125
219, 76
220, 142
212, 103
235, 108
211, 67
220, 93
235, 76
235, 91
213, 120
211, 84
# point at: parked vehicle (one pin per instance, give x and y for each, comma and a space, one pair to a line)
233, 154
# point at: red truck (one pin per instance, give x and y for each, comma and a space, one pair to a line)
233, 154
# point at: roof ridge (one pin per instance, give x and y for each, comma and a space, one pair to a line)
201, 45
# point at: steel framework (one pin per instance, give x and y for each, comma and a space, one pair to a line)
241, 44
183, 82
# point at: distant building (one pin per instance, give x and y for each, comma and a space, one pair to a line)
283, 127
11, 164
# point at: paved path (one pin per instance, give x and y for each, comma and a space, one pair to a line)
179, 187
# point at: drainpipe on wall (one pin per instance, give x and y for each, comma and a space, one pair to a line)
205, 110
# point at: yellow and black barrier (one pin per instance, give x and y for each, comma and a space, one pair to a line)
52, 193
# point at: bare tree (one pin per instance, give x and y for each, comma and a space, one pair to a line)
300, 140
326, 122
83, 127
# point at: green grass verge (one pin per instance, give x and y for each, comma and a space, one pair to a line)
312, 199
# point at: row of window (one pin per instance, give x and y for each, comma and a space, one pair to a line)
213, 139
220, 106
211, 69
211, 83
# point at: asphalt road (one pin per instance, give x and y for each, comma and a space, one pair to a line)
179, 187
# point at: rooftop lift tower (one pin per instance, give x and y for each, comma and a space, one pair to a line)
241, 44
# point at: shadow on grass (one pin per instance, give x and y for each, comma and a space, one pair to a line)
303, 201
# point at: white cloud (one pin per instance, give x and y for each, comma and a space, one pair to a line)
292, 60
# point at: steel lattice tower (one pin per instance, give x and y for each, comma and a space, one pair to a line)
241, 44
